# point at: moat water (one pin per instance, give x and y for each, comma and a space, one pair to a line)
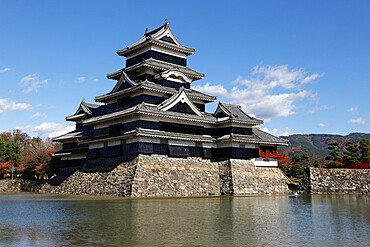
28, 219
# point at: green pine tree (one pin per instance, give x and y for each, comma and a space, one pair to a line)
351, 155
364, 148
305, 160
317, 164
334, 155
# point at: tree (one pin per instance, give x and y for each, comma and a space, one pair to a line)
316, 164
9, 156
23, 139
364, 148
334, 155
36, 161
305, 160
296, 159
351, 155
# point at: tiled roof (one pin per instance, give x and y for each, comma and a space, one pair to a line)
71, 135
149, 109
152, 133
258, 136
154, 37
267, 137
236, 113
161, 65
156, 87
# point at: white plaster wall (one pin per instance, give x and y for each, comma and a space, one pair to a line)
265, 162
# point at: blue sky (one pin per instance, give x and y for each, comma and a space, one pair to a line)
303, 66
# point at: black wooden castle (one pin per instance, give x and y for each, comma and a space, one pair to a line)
153, 110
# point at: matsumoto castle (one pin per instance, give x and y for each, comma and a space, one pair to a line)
152, 109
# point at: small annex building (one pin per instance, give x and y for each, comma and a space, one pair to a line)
153, 110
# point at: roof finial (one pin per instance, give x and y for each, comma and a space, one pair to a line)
83, 100
166, 21
146, 30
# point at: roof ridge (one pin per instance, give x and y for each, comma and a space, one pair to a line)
90, 104
231, 105
259, 129
157, 29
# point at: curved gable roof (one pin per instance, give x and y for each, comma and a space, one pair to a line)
235, 112
162, 36
182, 97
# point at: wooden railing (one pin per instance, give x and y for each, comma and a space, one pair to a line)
271, 155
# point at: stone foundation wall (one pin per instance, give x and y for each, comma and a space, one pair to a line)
95, 181
164, 176
342, 181
248, 179
156, 175
10, 185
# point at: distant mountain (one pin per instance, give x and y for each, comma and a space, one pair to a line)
316, 145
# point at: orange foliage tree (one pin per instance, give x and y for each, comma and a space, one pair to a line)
37, 160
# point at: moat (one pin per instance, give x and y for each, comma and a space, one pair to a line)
31, 219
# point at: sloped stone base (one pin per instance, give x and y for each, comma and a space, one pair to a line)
162, 176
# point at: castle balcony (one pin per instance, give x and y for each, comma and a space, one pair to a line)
272, 155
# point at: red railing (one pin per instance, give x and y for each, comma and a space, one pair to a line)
270, 155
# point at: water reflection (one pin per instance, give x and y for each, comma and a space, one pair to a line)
51, 220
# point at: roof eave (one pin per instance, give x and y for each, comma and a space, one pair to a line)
124, 52
76, 117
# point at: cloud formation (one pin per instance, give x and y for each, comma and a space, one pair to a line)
32, 83
359, 120
270, 92
7, 105
322, 125
318, 108
285, 132
38, 114
49, 129
212, 89
4, 70
352, 109
81, 79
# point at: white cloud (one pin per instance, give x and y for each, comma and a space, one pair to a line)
310, 78
320, 108
63, 131
4, 70
96, 80
7, 105
49, 129
357, 121
81, 79
32, 83
38, 114
322, 125
352, 109
216, 89
281, 75
285, 132
270, 92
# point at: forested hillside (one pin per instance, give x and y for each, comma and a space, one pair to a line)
316, 145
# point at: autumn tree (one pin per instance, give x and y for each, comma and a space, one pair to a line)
36, 161
22, 138
334, 155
